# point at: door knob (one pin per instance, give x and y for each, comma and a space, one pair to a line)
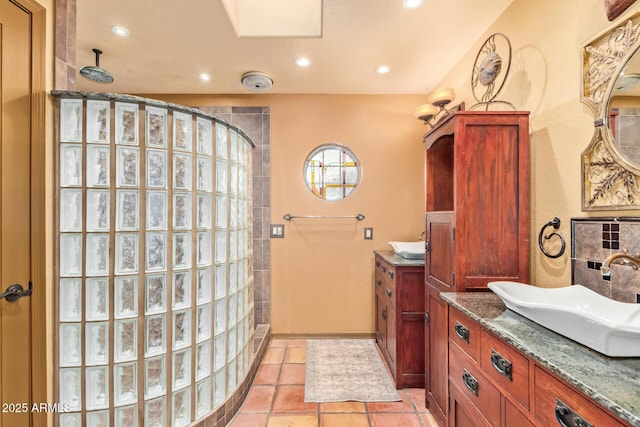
15, 292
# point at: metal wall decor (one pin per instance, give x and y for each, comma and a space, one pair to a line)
490, 71
610, 178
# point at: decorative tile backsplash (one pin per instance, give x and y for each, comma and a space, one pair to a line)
593, 240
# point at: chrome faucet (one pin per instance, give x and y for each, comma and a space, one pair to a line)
621, 258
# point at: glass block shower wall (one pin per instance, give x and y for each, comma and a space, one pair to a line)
154, 281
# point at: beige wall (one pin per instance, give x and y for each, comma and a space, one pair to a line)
321, 272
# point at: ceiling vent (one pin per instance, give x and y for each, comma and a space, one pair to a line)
257, 82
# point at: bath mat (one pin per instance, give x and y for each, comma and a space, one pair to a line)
340, 370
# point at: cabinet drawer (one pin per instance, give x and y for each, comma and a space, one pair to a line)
465, 333
513, 417
554, 399
385, 269
465, 373
508, 369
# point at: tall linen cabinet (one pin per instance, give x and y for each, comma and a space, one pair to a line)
477, 221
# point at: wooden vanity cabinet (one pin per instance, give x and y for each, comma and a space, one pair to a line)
477, 220
492, 384
399, 306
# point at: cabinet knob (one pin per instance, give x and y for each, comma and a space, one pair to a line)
379, 282
377, 263
384, 269
391, 274
384, 314
389, 292
567, 417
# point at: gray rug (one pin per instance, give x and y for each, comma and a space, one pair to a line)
340, 370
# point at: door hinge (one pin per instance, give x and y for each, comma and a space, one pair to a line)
427, 246
426, 317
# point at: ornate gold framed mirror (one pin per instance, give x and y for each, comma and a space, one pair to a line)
611, 87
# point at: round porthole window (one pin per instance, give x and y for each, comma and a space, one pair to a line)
332, 172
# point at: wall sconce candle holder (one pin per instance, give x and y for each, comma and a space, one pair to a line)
434, 111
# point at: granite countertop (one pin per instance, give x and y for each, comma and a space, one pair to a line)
612, 382
398, 261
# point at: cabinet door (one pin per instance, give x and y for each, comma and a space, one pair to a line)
492, 199
381, 322
436, 351
439, 257
391, 334
463, 413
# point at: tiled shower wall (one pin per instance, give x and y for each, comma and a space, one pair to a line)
65, 48
593, 240
256, 123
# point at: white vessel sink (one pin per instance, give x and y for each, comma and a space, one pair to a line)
602, 324
409, 250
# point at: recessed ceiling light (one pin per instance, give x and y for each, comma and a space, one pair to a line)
383, 69
205, 77
303, 61
411, 4
121, 31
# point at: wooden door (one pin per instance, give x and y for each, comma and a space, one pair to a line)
21, 144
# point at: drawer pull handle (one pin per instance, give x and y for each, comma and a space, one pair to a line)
501, 365
384, 314
567, 417
384, 269
462, 332
379, 282
391, 274
389, 292
470, 382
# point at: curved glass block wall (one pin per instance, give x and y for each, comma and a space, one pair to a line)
154, 307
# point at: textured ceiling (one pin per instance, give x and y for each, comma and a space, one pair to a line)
171, 43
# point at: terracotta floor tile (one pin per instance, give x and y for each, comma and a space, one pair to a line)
306, 420
343, 407
273, 355
267, 374
404, 406
395, 420
295, 355
276, 398
292, 373
290, 398
249, 420
344, 420
429, 420
259, 399
417, 397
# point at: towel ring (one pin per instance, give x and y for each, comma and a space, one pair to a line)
555, 223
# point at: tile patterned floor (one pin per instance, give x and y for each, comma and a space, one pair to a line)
276, 399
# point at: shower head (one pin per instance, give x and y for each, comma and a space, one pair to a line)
96, 74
